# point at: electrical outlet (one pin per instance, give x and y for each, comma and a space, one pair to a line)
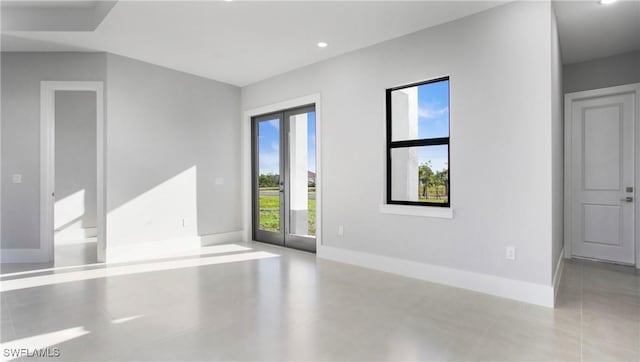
340, 230
219, 181
511, 253
16, 179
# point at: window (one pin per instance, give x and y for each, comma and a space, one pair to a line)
418, 144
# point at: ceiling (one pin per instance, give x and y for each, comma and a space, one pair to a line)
77, 15
241, 42
589, 30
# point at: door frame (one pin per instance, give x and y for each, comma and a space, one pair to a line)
47, 161
247, 194
569, 98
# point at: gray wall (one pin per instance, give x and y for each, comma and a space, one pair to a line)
557, 135
170, 135
21, 76
499, 62
75, 152
601, 73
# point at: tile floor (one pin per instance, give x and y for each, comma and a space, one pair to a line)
256, 302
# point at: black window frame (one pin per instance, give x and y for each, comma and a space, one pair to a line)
417, 143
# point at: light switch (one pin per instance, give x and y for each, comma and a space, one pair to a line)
219, 181
16, 179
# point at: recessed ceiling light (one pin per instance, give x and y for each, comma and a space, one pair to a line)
228, 0
322, 44
607, 2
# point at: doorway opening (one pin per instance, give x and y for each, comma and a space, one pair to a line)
72, 220
284, 178
75, 173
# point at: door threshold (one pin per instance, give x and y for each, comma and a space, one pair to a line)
601, 261
291, 248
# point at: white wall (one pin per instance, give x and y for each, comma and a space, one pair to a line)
557, 139
170, 136
501, 188
21, 76
75, 160
601, 73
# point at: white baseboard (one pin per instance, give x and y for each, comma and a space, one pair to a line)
223, 238
557, 275
523, 291
165, 248
76, 234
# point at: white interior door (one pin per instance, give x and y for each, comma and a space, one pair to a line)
603, 181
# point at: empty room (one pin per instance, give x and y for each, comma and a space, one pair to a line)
237, 180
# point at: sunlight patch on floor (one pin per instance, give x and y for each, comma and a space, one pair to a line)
38, 281
206, 250
125, 319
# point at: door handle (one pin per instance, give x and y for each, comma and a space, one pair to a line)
627, 199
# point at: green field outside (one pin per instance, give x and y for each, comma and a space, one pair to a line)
270, 214
270, 207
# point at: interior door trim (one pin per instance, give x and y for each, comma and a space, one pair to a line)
569, 99
247, 214
47, 164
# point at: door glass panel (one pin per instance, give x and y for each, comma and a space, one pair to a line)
269, 175
302, 174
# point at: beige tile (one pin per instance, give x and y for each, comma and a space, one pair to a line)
298, 308
567, 320
612, 303
598, 352
513, 341
613, 330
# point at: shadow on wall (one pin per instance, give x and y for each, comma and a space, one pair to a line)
163, 128
164, 208
70, 212
173, 154
166, 211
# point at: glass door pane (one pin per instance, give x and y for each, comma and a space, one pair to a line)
302, 174
268, 182
301, 178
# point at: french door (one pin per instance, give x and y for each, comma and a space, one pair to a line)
284, 178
